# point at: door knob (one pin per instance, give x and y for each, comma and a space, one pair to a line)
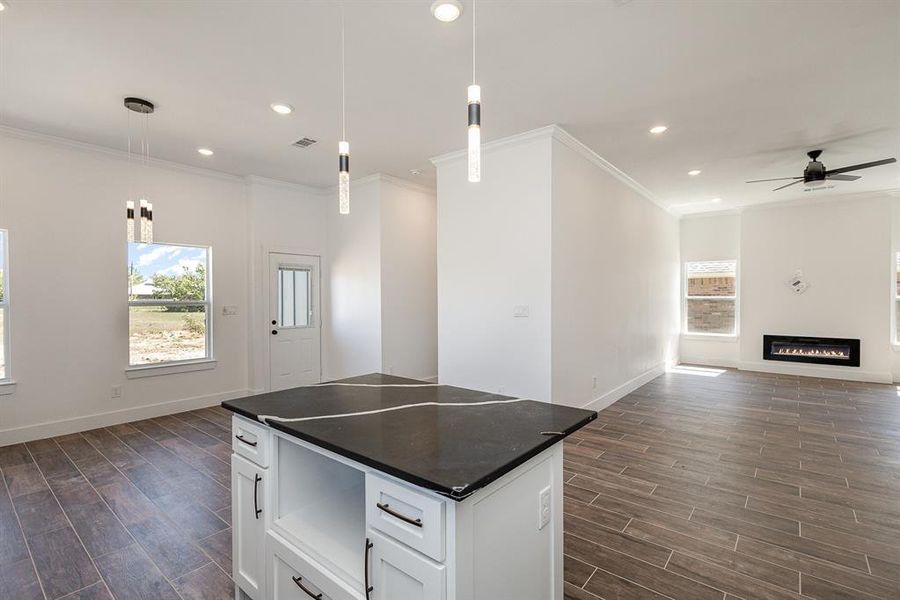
274, 332
274, 322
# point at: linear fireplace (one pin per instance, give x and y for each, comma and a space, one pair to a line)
816, 350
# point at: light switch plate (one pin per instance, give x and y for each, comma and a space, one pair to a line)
520, 311
544, 508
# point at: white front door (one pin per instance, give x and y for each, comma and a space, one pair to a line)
294, 323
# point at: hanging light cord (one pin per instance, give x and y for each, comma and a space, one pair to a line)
473, 41
343, 85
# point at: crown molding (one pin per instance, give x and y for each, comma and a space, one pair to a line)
52, 140
405, 183
813, 199
559, 134
573, 143
519, 138
382, 177
280, 183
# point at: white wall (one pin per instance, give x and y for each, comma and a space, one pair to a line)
282, 217
615, 282
352, 330
380, 299
844, 247
494, 254
63, 205
716, 237
844, 250
408, 279
64, 208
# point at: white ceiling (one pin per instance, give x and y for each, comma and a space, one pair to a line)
746, 87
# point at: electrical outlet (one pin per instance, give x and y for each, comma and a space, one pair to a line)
544, 507
594, 382
229, 310
116, 391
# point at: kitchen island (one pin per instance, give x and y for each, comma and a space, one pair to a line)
386, 488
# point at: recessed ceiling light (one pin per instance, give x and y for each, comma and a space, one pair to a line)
694, 172
658, 129
2, 6
205, 151
415, 171
716, 200
446, 10
282, 109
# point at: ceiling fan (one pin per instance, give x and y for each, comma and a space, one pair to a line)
815, 173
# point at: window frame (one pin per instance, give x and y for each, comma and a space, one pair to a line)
736, 299
188, 364
5, 310
895, 277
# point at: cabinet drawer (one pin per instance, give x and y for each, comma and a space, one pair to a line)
294, 576
398, 573
407, 515
250, 440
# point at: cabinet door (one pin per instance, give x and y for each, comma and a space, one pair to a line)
398, 572
248, 491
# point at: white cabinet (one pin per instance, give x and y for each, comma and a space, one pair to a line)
399, 572
248, 492
294, 575
301, 516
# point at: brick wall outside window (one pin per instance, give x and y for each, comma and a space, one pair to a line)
711, 294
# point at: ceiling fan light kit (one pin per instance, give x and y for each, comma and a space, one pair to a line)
815, 175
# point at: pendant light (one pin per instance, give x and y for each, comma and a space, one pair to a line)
141, 230
474, 110
343, 145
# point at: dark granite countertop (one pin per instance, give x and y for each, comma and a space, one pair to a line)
453, 450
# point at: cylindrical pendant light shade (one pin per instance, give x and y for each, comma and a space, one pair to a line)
129, 220
474, 104
344, 177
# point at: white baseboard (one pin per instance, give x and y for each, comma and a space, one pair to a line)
847, 373
432, 379
47, 429
626, 388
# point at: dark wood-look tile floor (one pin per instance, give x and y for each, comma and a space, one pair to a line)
140, 510
744, 485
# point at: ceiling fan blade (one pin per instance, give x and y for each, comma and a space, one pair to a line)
843, 177
867, 165
788, 185
776, 179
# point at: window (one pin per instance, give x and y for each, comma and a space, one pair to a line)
710, 297
294, 306
168, 304
4, 307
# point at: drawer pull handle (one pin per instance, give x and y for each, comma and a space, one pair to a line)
369, 588
256, 507
246, 441
297, 579
387, 508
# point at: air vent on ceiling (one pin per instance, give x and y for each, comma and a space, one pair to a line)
304, 142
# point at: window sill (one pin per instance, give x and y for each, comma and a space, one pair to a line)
711, 337
169, 369
7, 388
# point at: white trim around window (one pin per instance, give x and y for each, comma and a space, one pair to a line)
151, 368
7, 385
686, 297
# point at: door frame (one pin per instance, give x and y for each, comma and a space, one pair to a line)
267, 251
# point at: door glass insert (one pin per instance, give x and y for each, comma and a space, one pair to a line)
294, 293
